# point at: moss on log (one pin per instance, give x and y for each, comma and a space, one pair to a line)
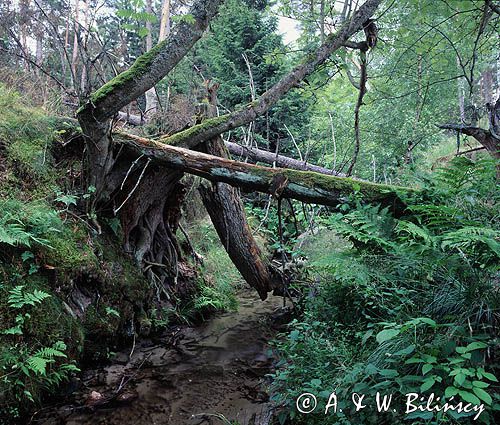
305, 186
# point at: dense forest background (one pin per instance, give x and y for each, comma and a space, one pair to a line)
394, 281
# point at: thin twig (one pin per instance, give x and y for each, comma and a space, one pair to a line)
135, 187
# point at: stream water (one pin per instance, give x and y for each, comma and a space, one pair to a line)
217, 368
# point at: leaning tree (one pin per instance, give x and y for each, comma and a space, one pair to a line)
139, 180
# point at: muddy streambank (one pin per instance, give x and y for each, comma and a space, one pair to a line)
193, 374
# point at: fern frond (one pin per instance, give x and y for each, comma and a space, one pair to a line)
412, 234
470, 237
18, 299
38, 364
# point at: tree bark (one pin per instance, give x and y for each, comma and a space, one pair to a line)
151, 67
259, 155
164, 21
304, 186
74, 58
147, 197
357, 109
227, 213
485, 137
151, 93
224, 206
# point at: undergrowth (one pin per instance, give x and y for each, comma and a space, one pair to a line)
406, 305
53, 267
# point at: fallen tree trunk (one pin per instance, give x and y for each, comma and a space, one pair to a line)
224, 206
131, 119
227, 213
260, 155
304, 186
150, 221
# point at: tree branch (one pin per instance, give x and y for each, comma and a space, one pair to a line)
152, 66
483, 136
215, 126
260, 155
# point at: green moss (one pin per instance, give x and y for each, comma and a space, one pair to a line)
177, 138
70, 250
66, 259
139, 67
312, 180
44, 324
26, 134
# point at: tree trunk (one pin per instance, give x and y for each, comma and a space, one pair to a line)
151, 102
304, 186
164, 21
357, 109
259, 155
147, 196
485, 137
74, 58
227, 213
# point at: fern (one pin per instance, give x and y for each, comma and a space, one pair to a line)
473, 239
12, 232
414, 235
436, 217
23, 225
51, 352
18, 298
38, 365
368, 225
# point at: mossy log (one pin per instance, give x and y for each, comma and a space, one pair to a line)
306, 186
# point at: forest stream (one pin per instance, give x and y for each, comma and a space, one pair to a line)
217, 368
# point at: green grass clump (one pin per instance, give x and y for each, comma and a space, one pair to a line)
26, 135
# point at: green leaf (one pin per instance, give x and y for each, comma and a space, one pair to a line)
26, 255
476, 346
450, 391
483, 395
427, 321
316, 382
143, 32
367, 335
469, 397
460, 378
480, 384
386, 335
428, 383
405, 351
490, 376
389, 373
426, 368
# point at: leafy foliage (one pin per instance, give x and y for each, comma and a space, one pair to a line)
410, 306
29, 368
23, 225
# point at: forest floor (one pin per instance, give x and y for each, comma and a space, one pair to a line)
214, 369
